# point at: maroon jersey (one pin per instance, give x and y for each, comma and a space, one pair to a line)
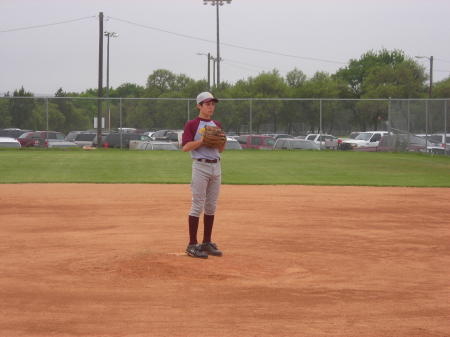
193, 130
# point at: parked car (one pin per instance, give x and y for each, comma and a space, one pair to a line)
39, 138
12, 132
58, 143
365, 141
85, 139
279, 135
9, 142
127, 130
72, 135
232, 144
441, 140
352, 135
438, 150
152, 145
256, 142
120, 140
295, 144
174, 136
324, 141
403, 142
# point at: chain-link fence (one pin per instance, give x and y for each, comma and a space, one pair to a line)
404, 119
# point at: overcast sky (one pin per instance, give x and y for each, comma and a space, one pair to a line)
319, 35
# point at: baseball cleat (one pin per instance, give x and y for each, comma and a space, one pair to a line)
211, 249
196, 251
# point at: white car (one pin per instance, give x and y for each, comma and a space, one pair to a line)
9, 142
440, 139
57, 143
232, 144
323, 140
366, 139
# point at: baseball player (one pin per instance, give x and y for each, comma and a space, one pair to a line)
206, 175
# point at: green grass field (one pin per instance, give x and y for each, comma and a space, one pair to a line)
239, 167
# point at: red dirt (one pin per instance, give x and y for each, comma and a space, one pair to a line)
107, 260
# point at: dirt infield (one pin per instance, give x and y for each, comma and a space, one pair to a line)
107, 260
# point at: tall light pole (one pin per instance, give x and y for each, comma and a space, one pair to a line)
214, 59
217, 3
108, 35
431, 72
209, 71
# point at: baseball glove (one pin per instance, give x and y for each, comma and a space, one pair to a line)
214, 137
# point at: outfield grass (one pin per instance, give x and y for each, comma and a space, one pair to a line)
239, 167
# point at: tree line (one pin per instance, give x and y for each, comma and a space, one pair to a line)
376, 74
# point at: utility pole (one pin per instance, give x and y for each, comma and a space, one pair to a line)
218, 43
431, 77
108, 35
217, 3
209, 64
209, 71
430, 89
214, 70
100, 81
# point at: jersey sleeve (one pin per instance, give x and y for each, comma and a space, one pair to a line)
188, 133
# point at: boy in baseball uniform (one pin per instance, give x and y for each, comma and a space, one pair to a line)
206, 177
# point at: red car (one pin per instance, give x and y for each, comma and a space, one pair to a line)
39, 138
256, 142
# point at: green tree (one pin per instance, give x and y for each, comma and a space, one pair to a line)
21, 109
400, 80
128, 90
442, 89
296, 78
356, 72
163, 81
64, 115
5, 116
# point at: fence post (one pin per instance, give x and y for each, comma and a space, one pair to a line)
426, 122
389, 124
408, 135
445, 126
251, 116
120, 121
320, 124
46, 111
46, 117
408, 117
188, 111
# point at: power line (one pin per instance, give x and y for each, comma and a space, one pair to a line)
442, 60
228, 64
228, 60
46, 25
227, 44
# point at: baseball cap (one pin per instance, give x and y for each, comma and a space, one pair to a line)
206, 96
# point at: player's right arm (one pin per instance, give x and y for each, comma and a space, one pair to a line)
189, 142
192, 145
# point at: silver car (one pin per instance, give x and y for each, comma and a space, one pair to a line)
152, 145
8, 142
295, 144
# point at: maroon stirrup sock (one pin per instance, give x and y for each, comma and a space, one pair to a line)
193, 227
209, 222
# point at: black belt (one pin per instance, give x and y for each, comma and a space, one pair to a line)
211, 161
